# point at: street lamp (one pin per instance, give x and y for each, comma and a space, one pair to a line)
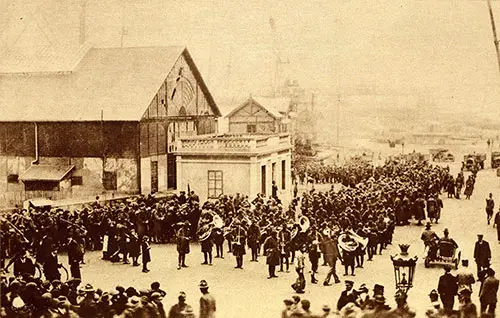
404, 269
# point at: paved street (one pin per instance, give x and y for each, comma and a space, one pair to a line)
248, 291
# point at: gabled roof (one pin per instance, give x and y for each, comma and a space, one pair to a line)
118, 83
276, 107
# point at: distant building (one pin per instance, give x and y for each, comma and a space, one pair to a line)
232, 163
108, 123
260, 115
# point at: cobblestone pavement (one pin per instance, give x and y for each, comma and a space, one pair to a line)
248, 293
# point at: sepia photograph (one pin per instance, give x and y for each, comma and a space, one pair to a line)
260, 159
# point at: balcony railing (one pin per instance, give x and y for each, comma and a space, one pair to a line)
232, 142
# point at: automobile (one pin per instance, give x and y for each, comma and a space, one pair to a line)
441, 155
472, 161
495, 159
442, 253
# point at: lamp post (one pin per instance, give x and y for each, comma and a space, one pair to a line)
404, 269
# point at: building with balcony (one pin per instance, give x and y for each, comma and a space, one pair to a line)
235, 163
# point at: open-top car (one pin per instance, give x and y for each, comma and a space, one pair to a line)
442, 253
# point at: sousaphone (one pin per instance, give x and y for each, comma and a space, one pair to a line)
206, 230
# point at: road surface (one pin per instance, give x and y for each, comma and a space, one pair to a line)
248, 293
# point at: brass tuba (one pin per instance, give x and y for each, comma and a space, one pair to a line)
205, 231
304, 223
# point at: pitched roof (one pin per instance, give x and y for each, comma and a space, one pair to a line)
277, 107
119, 82
46, 173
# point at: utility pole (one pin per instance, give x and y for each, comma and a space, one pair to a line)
83, 15
495, 38
338, 119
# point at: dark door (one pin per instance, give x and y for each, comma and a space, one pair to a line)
154, 176
171, 172
263, 179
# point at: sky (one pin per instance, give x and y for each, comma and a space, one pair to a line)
438, 48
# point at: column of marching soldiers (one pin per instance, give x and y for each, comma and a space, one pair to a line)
347, 225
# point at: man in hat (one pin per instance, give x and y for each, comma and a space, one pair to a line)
51, 266
270, 247
156, 299
467, 308
88, 305
447, 238
239, 250
253, 241
429, 237
363, 296
207, 301
331, 254
218, 236
24, 266
286, 312
146, 254
207, 248
496, 223
75, 256
488, 292
435, 310
490, 206
347, 296
465, 278
182, 244
447, 289
482, 254
181, 309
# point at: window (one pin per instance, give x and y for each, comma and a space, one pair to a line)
215, 184
273, 171
283, 174
251, 128
76, 181
13, 178
109, 180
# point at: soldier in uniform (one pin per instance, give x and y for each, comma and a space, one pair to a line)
182, 244
284, 244
482, 254
253, 241
206, 249
207, 302
331, 256
240, 236
272, 254
490, 206
460, 184
51, 266
181, 309
218, 237
75, 256
146, 255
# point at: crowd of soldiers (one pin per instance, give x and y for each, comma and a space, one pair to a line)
364, 212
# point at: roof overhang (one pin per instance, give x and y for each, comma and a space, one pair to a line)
46, 173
